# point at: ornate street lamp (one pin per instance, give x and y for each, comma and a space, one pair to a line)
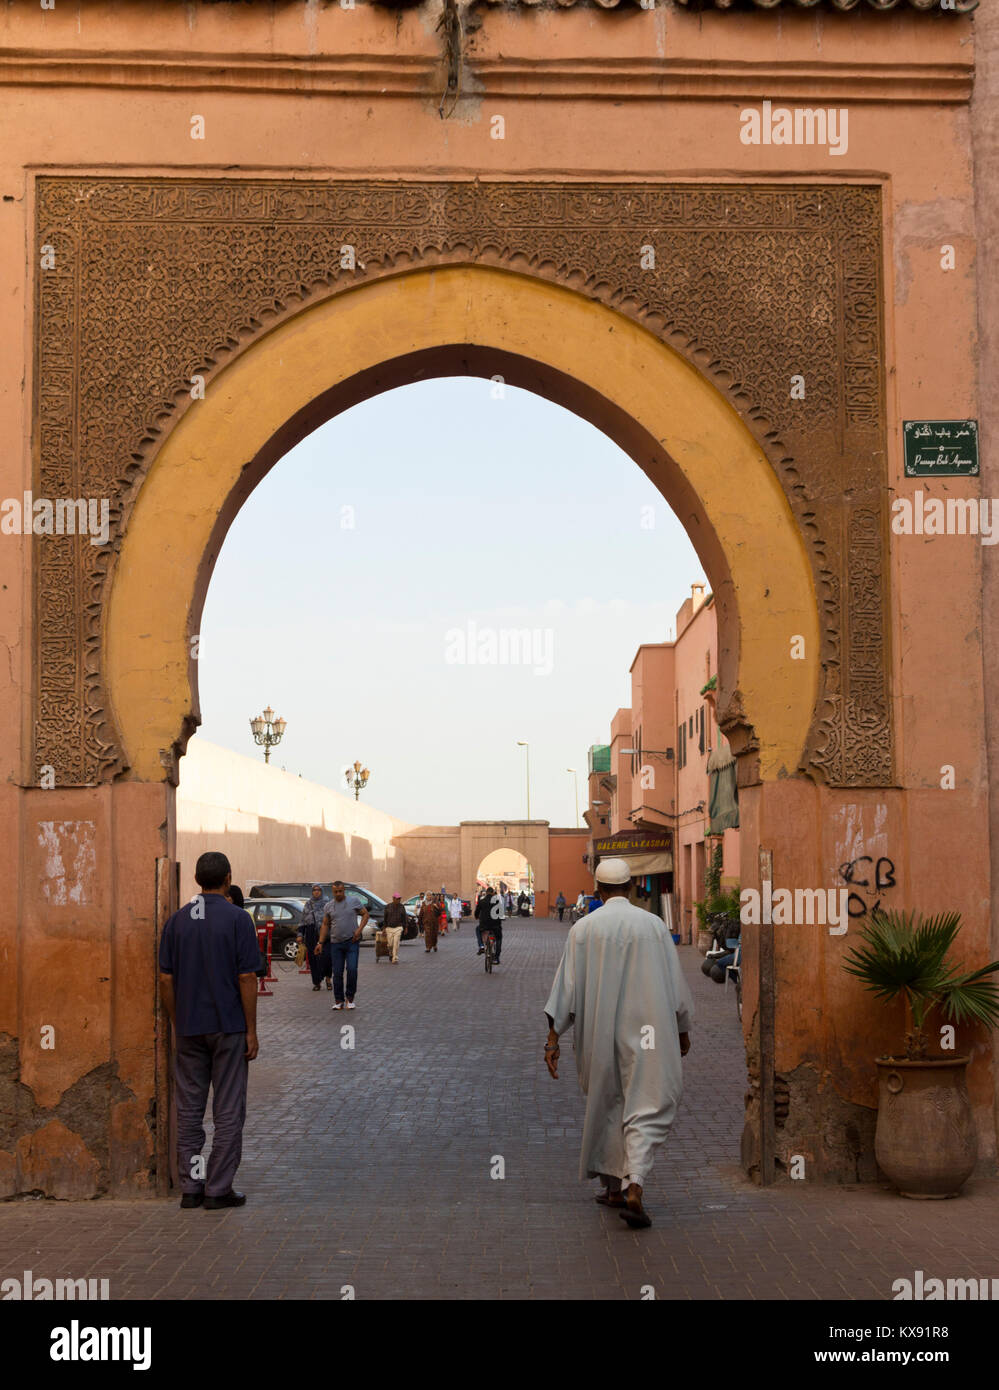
267, 731
357, 777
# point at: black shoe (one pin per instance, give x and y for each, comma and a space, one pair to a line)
227, 1199
481, 951
192, 1199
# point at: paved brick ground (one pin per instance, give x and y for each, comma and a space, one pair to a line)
371, 1168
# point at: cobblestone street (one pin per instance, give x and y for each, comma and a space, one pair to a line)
371, 1168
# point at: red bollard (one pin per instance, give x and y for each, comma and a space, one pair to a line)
261, 941
270, 977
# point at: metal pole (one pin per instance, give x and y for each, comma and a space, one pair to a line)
766, 966
165, 903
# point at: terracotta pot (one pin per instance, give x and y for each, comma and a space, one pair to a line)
705, 940
925, 1140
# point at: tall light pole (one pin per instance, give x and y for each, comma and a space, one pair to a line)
575, 783
522, 743
267, 731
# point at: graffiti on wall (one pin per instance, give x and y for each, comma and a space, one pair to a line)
867, 879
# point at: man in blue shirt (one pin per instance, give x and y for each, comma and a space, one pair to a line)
343, 931
209, 959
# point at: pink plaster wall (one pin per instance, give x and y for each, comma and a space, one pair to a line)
112, 88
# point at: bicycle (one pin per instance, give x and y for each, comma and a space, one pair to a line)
489, 941
733, 972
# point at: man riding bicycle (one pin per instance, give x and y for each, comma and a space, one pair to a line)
490, 913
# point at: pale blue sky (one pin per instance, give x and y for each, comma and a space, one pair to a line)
510, 514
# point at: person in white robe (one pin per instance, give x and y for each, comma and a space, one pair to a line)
620, 986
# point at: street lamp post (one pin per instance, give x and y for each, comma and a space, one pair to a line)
267, 731
575, 783
522, 743
356, 778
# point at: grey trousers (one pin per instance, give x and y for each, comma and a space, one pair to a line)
217, 1060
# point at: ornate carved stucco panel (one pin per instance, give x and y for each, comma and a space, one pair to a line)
156, 280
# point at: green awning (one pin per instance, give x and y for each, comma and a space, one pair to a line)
598, 757
723, 793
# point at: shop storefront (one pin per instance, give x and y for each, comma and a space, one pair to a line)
650, 857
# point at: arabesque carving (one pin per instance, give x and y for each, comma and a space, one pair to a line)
156, 280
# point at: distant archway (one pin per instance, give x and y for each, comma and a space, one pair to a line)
506, 869
508, 872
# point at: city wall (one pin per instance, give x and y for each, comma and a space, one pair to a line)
275, 826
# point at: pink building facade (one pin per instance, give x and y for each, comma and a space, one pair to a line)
650, 788
697, 735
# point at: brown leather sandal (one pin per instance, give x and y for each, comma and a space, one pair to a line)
632, 1210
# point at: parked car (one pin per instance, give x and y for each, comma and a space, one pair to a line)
286, 914
286, 890
303, 891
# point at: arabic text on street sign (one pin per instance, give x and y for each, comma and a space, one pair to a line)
941, 448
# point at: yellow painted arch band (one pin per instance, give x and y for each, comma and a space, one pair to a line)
671, 419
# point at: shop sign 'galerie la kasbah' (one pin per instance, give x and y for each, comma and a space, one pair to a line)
634, 844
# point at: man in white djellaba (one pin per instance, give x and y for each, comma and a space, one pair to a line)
619, 984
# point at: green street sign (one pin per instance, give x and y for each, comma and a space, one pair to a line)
941, 448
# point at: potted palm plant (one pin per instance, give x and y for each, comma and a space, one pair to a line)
716, 901
925, 1140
